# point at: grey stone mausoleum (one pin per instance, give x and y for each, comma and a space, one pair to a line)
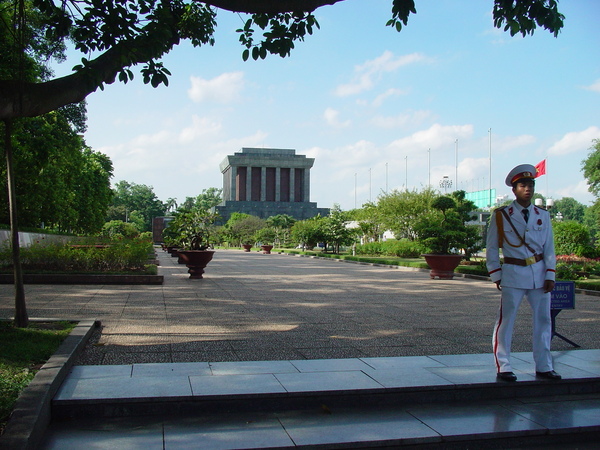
265, 182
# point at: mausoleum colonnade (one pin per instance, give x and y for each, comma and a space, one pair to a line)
266, 175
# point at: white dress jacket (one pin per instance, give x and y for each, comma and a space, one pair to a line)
537, 233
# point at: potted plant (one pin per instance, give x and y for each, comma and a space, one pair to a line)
193, 229
266, 236
445, 233
170, 237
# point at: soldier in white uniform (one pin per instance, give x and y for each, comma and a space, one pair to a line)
524, 232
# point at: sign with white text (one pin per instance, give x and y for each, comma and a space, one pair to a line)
563, 295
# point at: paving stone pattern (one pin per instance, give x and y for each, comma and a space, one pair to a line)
252, 307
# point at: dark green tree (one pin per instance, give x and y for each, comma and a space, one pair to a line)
132, 198
590, 220
61, 183
241, 228
309, 232
591, 168
47, 147
444, 227
400, 210
281, 225
206, 200
570, 209
335, 228
591, 171
370, 222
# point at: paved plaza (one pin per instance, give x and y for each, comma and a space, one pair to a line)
247, 354
251, 307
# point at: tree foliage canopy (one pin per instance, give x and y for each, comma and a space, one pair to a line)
135, 201
206, 200
591, 168
61, 183
570, 209
113, 36
399, 211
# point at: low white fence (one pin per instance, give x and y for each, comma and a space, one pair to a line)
26, 238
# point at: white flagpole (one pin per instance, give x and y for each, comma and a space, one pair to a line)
547, 176
490, 193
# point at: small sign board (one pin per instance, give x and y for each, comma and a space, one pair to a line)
563, 295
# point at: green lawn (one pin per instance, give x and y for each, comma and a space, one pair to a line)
22, 352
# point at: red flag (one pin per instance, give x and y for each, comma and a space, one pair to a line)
540, 168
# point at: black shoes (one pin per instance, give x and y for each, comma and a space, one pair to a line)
510, 376
550, 375
506, 376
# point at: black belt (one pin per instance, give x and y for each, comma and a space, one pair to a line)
523, 262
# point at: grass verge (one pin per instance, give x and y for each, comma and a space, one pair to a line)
474, 267
22, 352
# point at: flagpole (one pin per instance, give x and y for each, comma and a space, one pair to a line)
429, 168
456, 166
490, 193
547, 176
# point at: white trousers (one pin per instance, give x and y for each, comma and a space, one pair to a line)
542, 327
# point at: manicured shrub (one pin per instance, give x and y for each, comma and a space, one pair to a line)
573, 238
118, 255
402, 248
116, 228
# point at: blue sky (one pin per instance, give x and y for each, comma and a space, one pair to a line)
377, 109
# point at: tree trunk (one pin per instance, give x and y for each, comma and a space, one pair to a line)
21, 318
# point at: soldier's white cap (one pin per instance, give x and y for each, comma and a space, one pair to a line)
521, 171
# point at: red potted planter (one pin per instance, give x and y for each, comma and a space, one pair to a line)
266, 249
196, 261
442, 266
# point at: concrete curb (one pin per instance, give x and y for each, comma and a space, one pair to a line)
31, 416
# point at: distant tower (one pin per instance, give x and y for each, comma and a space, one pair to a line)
265, 182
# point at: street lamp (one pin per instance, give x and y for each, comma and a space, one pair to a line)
549, 205
540, 202
445, 183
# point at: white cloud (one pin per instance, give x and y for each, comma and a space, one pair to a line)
578, 191
151, 140
339, 173
505, 144
387, 94
352, 155
331, 116
575, 141
412, 118
201, 126
366, 74
595, 86
435, 136
473, 169
225, 88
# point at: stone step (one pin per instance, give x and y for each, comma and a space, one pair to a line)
452, 401
491, 415
158, 396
